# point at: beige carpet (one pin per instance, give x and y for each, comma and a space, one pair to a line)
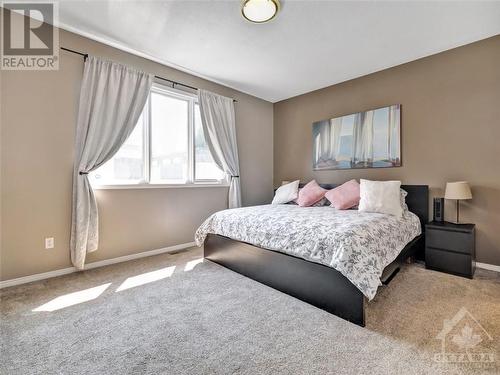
172, 314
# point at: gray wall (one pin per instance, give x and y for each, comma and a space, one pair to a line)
450, 130
37, 128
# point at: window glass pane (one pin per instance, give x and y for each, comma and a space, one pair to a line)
169, 139
127, 165
205, 167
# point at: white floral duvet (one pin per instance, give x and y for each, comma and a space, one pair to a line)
357, 244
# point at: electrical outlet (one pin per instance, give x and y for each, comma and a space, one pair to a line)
49, 243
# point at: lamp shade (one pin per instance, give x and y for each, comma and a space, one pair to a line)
458, 190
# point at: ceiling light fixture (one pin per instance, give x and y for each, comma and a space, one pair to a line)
260, 11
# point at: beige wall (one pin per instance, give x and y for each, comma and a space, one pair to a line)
451, 112
37, 131
450, 130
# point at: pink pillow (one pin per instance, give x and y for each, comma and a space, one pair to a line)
344, 196
322, 202
310, 194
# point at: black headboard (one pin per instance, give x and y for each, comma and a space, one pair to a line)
417, 200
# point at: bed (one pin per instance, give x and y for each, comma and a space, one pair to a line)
334, 260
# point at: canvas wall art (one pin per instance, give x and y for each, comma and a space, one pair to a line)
370, 139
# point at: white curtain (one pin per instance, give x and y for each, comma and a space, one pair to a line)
394, 135
362, 145
327, 141
112, 98
335, 130
324, 136
219, 126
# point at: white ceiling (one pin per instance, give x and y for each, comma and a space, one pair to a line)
310, 45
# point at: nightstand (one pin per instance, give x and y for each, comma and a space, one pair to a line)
450, 248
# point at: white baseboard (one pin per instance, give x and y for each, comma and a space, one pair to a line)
101, 263
36, 277
486, 266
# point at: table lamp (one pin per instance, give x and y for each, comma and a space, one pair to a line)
458, 191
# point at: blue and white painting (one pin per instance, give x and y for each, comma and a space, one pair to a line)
370, 139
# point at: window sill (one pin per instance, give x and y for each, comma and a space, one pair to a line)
157, 186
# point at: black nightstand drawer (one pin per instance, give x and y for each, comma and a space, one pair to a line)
456, 263
450, 240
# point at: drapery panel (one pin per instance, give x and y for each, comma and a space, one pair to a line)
335, 130
362, 145
327, 137
394, 147
219, 126
112, 98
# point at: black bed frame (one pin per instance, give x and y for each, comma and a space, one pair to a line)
314, 283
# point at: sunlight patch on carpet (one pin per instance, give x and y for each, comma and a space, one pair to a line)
192, 264
73, 298
146, 278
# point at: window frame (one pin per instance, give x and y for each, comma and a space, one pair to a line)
146, 183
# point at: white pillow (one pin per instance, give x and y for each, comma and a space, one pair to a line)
286, 193
380, 196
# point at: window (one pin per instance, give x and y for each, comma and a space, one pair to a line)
167, 146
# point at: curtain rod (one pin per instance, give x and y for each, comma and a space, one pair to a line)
174, 83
